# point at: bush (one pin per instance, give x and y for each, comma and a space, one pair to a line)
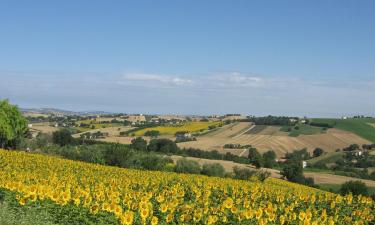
262, 175
152, 133
139, 144
293, 171
242, 173
63, 137
214, 170
269, 159
255, 158
162, 145
187, 166
152, 162
354, 187
169, 167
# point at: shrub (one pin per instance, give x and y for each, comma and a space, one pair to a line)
354, 187
269, 159
243, 173
262, 175
63, 137
169, 167
162, 145
152, 133
215, 170
152, 162
139, 144
255, 158
187, 166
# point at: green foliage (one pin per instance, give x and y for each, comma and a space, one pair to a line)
354, 187
255, 158
269, 159
358, 126
243, 173
187, 166
152, 133
13, 126
139, 144
162, 145
63, 137
293, 171
304, 129
48, 213
274, 120
215, 170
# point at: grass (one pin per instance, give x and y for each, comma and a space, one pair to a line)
359, 126
303, 129
191, 127
327, 158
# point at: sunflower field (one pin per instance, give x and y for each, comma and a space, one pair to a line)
145, 197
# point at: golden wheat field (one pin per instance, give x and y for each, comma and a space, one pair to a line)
144, 197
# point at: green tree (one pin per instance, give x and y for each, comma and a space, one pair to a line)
139, 144
162, 145
13, 126
293, 171
62, 137
214, 170
152, 133
187, 166
255, 158
355, 187
269, 158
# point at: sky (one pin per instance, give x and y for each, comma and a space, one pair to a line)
297, 58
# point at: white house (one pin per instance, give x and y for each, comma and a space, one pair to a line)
304, 164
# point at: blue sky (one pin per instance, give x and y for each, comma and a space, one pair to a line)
314, 58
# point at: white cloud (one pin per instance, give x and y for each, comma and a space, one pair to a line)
147, 79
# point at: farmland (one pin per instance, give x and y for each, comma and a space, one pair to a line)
265, 138
191, 127
142, 197
360, 126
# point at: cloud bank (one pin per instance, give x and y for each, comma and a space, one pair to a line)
191, 94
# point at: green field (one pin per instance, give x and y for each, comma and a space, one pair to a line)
361, 126
327, 158
303, 129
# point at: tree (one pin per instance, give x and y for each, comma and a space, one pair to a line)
269, 159
62, 137
318, 152
187, 166
293, 171
152, 133
214, 170
139, 144
354, 187
13, 126
255, 158
162, 145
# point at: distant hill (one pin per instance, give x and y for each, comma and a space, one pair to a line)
54, 111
